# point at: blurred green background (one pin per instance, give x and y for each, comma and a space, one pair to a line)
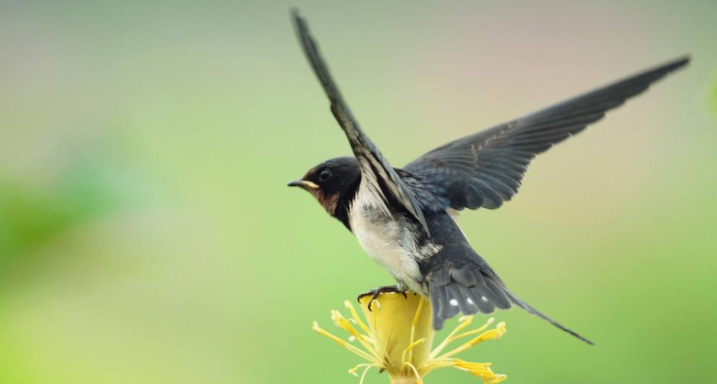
147, 236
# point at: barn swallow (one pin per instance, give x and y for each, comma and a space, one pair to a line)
403, 217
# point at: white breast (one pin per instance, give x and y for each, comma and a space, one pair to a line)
386, 238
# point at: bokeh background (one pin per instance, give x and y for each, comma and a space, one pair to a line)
147, 236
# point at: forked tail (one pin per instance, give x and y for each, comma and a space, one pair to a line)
473, 288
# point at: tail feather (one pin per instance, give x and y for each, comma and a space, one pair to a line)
474, 288
443, 309
456, 293
535, 312
500, 296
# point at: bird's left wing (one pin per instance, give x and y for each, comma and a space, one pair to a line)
370, 158
486, 169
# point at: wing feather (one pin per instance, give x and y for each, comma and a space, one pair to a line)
370, 158
492, 163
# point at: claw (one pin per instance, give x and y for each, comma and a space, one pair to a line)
378, 291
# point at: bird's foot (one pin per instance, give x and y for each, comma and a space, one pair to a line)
375, 293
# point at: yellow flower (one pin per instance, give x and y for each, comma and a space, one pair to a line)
399, 339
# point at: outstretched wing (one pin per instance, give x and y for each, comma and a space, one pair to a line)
372, 162
486, 169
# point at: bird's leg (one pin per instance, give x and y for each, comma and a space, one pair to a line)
375, 293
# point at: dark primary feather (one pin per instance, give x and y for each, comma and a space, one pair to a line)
370, 158
486, 169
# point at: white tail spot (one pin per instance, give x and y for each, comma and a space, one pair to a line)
484, 298
454, 302
470, 301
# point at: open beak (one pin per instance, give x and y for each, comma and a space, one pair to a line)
303, 184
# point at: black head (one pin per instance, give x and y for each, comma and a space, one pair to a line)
332, 182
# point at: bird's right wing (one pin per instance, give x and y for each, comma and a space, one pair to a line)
373, 165
486, 169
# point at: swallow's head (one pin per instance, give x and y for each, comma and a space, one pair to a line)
331, 181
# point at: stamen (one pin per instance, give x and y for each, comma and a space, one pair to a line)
418, 311
432, 364
413, 331
481, 370
353, 370
356, 318
488, 335
363, 375
342, 322
409, 349
472, 367
343, 343
465, 322
415, 372
475, 331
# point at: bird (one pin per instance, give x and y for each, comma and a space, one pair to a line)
404, 217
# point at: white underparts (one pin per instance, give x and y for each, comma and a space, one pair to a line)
388, 239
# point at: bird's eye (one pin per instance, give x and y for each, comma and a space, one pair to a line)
324, 175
